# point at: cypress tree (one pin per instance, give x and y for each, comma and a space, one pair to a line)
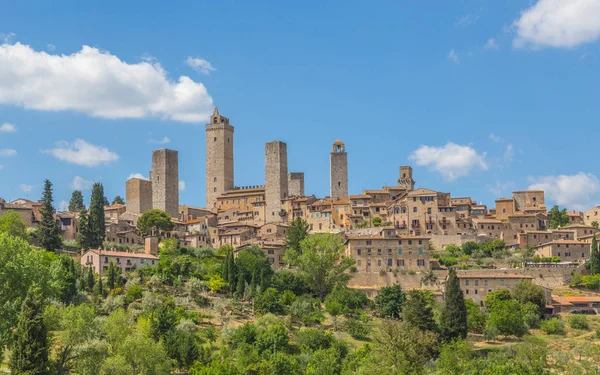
453, 320
97, 225
76, 204
48, 228
111, 275
253, 284
100, 287
30, 348
594, 257
232, 273
241, 284
226, 267
85, 237
297, 232
90, 279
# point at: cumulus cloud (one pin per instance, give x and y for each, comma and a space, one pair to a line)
163, 141
181, 185
79, 183
571, 191
453, 56
82, 153
491, 44
558, 23
26, 188
7, 128
99, 84
451, 161
200, 65
137, 175
8, 152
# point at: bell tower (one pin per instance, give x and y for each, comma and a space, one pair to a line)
339, 170
219, 158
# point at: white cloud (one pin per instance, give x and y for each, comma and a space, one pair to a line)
453, 56
51, 47
558, 23
491, 44
571, 191
79, 183
7, 128
495, 138
181, 185
200, 65
82, 153
451, 161
500, 188
160, 141
26, 188
98, 84
466, 20
137, 175
8, 38
63, 206
509, 153
8, 152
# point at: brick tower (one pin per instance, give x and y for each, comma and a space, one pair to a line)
165, 181
219, 158
276, 179
339, 170
406, 180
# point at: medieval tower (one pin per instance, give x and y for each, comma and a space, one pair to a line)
276, 178
219, 158
296, 184
165, 181
406, 180
138, 195
339, 170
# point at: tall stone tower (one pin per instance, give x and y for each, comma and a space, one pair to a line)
296, 184
276, 178
138, 195
406, 180
219, 158
165, 181
339, 170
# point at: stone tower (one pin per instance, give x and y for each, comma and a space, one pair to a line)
165, 181
276, 178
339, 170
138, 195
219, 158
406, 180
296, 184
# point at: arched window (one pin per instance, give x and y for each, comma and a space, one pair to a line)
215, 179
214, 190
215, 139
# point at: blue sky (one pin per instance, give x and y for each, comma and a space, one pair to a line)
481, 98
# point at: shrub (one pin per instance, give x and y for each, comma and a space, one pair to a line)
133, 294
591, 281
579, 322
358, 328
268, 302
554, 326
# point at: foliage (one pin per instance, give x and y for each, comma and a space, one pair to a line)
118, 200
526, 291
96, 226
12, 224
76, 204
594, 257
453, 320
554, 326
496, 297
590, 281
85, 235
579, 322
358, 327
321, 263
154, 221
313, 339
297, 232
507, 318
307, 309
268, 302
389, 301
349, 299
377, 221
418, 311
47, 230
557, 217
476, 318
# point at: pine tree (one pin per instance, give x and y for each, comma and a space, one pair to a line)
76, 204
297, 232
453, 320
96, 220
85, 236
30, 348
594, 257
48, 228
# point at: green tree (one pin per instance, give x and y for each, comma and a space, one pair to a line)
496, 297
90, 281
164, 319
453, 320
321, 263
350, 299
594, 257
48, 228
111, 275
507, 318
85, 235
154, 221
377, 221
476, 318
97, 226
526, 291
418, 311
268, 302
12, 224
67, 279
557, 217
30, 348
76, 204
118, 200
595, 224
182, 347
297, 232
389, 301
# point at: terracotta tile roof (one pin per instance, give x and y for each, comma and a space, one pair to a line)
123, 254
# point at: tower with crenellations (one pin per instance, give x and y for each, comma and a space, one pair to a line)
405, 179
219, 158
339, 170
276, 178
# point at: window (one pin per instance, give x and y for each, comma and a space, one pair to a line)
414, 209
466, 282
485, 282
389, 262
369, 251
358, 252
501, 281
379, 262
214, 191
215, 139
420, 251
368, 242
378, 251
476, 291
399, 251
421, 262
420, 242
400, 262
476, 282
467, 291
358, 262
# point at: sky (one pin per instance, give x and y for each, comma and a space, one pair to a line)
481, 98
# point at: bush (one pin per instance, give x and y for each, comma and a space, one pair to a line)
579, 322
268, 302
312, 339
133, 294
358, 328
554, 326
591, 281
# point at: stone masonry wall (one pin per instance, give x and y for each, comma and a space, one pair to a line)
219, 160
296, 184
339, 174
138, 195
165, 181
276, 178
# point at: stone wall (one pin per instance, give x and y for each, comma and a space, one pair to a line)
165, 181
296, 184
138, 195
439, 241
276, 178
339, 171
219, 158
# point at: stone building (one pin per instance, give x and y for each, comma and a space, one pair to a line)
566, 250
165, 181
296, 184
138, 195
100, 259
476, 285
219, 158
406, 179
339, 170
592, 215
276, 179
529, 200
